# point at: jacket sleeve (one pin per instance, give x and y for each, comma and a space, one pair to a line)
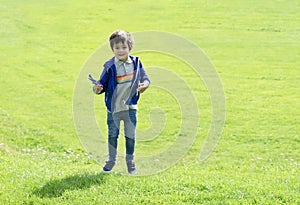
143, 74
104, 80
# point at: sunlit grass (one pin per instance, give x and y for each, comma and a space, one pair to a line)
254, 46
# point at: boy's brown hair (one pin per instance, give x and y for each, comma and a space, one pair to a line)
121, 36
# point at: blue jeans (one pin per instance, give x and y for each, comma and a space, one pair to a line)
129, 118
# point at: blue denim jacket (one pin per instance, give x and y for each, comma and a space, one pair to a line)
108, 80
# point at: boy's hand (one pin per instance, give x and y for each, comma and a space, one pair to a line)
97, 88
142, 87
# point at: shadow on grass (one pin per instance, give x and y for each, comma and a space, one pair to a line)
56, 188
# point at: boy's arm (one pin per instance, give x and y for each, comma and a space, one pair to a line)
144, 79
103, 81
143, 75
100, 85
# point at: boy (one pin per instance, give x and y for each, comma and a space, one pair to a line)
123, 79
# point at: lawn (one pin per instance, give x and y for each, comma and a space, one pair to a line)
47, 47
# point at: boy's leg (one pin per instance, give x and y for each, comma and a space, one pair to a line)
113, 123
112, 148
130, 130
130, 144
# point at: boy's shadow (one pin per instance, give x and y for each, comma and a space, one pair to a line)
56, 187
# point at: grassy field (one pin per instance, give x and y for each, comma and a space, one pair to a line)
254, 46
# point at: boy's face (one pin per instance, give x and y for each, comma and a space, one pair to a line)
121, 51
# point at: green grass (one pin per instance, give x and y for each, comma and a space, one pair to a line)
254, 46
